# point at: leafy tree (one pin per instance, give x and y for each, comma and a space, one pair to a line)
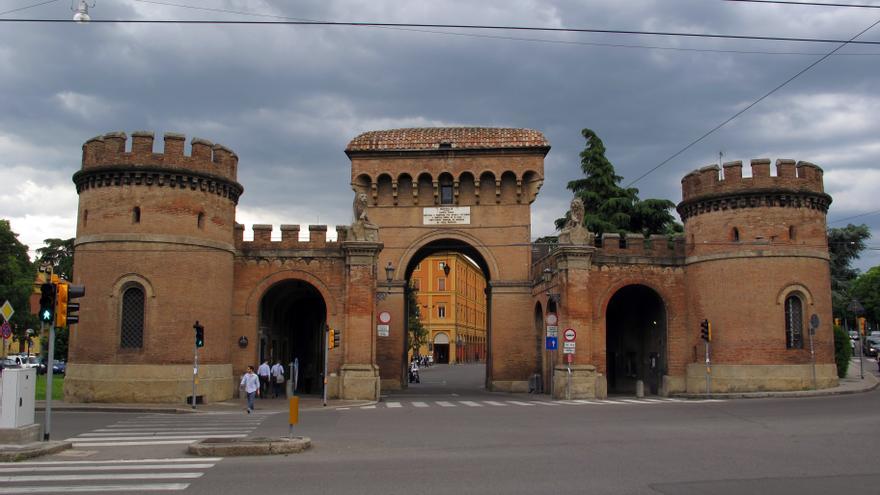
17, 275
866, 289
844, 246
59, 254
608, 206
842, 350
418, 334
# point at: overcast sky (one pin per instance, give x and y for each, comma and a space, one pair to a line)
289, 98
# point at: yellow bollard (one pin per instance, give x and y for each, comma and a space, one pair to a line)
293, 415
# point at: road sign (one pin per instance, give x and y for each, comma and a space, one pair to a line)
568, 347
552, 343
551, 319
6, 310
552, 331
569, 335
385, 317
5, 330
383, 330
814, 321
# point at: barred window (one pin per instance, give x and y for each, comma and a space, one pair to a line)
132, 321
794, 322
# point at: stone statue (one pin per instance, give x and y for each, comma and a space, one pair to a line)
362, 229
574, 231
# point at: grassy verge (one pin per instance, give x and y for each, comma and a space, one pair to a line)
57, 387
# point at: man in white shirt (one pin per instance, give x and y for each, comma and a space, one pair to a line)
250, 384
264, 373
277, 378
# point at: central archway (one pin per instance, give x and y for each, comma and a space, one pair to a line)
448, 279
635, 340
292, 318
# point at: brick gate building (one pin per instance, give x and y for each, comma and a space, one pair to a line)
158, 248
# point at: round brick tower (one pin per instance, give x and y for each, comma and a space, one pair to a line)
154, 248
757, 268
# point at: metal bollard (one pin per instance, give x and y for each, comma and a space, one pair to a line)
640, 389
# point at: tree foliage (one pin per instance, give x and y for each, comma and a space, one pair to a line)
418, 334
17, 275
866, 288
611, 208
842, 350
59, 254
845, 244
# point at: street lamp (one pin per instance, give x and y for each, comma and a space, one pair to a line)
547, 277
389, 276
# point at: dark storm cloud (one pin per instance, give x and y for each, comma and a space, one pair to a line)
287, 99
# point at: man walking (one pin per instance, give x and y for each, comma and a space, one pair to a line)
264, 372
250, 384
277, 378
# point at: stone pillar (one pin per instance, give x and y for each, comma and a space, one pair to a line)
573, 269
359, 373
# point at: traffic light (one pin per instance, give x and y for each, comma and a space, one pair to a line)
73, 292
706, 330
336, 336
47, 302
200, 335
331, 339
61, 305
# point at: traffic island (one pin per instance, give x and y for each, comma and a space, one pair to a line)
15, 453
230, 447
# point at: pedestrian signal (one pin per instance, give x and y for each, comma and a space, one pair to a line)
706, 330
47, 302
200, 334
331, 339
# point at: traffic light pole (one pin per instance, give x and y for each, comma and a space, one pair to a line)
708, 371
326, 357
49, 366
195, 371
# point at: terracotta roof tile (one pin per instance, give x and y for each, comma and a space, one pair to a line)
430, 138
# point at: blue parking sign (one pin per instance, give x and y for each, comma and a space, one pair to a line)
552, 343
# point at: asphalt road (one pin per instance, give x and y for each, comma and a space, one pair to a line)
453, 437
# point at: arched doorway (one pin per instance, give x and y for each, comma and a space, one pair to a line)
635, 337
292, 319
448, 295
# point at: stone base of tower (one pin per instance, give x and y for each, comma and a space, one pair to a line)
582, 382
727, 378
359, 382
139, 383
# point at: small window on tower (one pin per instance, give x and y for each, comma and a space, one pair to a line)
792, 233
136, 214
734, 235
85, 217
201, 220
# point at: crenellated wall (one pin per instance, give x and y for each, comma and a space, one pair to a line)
289, 238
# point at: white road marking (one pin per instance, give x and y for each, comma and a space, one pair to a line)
393, 405
130, 444
470, 403
420, 404
122, 461
519, 403
153, 437
44, 469
147, 487
102, 477
494, 403
544, 403
369, 407
443, 403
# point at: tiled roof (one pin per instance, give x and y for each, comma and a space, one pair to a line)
430, 138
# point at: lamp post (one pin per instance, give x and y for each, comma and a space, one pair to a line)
856, 308
389, 276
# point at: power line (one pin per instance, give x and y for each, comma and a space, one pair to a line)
452, 26
747, 108
856, 216
809, 4
27, 7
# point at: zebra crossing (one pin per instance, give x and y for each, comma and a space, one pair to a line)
164, 429
115, 476
422, 404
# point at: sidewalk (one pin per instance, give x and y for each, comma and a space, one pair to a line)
851, 384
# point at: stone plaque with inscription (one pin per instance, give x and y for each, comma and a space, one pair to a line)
447, 215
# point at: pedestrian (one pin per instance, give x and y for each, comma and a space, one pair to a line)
264, 373
250, 385
277, 378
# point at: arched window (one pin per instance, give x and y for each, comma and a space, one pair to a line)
200, 222
734, 235
794, 322
131, 335
136, 214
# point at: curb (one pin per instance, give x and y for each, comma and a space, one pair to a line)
233, 447
785, 395
14, 453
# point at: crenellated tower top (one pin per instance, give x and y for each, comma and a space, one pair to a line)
212, 166
795, 184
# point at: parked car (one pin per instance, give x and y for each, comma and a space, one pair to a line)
59, 367
8, 362
872, 346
